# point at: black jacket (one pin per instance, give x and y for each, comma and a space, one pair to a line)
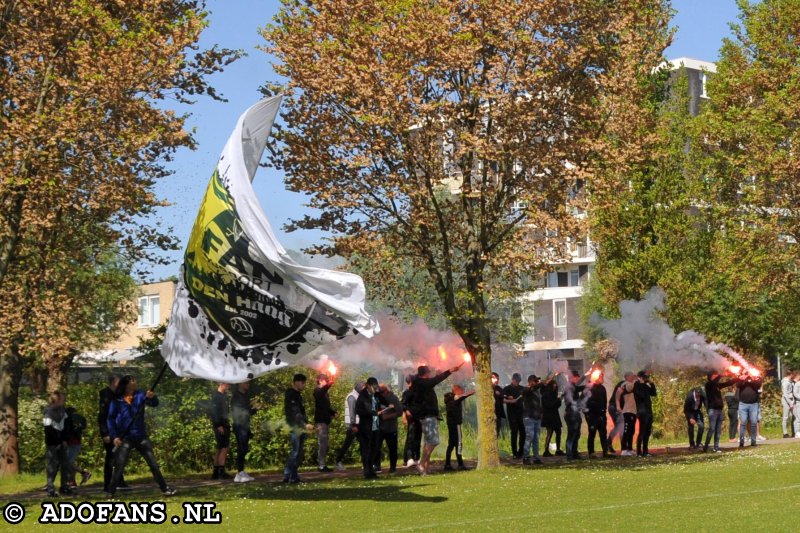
55, 422
714, 392
598, 401
240, 408
367, 406
499, 412
220, 414
513, 410
532, 402
454, 408
294, 408
689, 402
106, 397
643, 394
323, 412
748, 389
425, 403
389, 418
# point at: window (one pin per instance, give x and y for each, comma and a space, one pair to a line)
149, 311
703, 80
560, 313
574, 278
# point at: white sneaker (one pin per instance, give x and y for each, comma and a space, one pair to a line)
797, 436
340, 466
761, 437
410, 463
240, 478
246, 476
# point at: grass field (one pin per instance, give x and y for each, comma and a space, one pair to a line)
751, 490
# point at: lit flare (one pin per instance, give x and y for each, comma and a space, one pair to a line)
442, 353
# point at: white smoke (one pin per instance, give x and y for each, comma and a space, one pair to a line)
645, 340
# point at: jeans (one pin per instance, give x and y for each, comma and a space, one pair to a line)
322, 443
297, 441
413, 441
243, 435
597, 426
628, 431
56, 459
714, 426
121, 459
748, 411
517, 427
573, 421
697, 416
533, 428
645, 430
454, 443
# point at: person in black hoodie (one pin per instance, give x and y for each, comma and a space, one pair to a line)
388, 426
453, 402
55, 426
596, 407
693, 411
499, 406
532, 418
425, 408
643, 392
551, 419
512, 397
106, 397
575, 397
368, 411
715, 404
221, 425
323, 416
294, 408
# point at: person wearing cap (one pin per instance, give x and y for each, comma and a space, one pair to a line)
367, 409
413, 444
626, 404
350, 423
512, 397
294, 408
323, 416
425, 408
693, 411
748, 387
714, 401
596, 416
499, 406
643, 392
532, 413
454, 406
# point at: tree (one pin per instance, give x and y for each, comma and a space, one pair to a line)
83, 138
455, 135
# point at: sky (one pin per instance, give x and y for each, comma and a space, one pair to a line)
701, 26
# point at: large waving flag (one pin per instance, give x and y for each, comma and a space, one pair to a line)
242, 306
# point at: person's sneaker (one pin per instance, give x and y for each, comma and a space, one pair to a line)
463, 467
52, 493
224, 475
378, 469
124, 486
66, 491
786, 436
324, 469
410, 463
526, 460
241, 477
761, 437
797, 436
248, 476
392, 470
717, 450
85, 475
705, 448
169, 491
448, 468
741, 444
560, 452
340, 466
547, 454
295, 481
752, 443
537, 462
647, 454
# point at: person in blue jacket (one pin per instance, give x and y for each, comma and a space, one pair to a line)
127, 430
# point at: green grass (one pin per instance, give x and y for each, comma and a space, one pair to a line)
752, 490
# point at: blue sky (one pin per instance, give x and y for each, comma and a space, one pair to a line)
701, 26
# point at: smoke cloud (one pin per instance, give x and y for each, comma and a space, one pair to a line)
645, 340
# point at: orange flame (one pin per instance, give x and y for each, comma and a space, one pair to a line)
332, 369
596, 374
735, 369
442, 353
754, 371
467, 357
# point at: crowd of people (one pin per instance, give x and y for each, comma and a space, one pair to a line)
373, 413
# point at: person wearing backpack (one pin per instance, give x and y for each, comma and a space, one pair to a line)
626, 404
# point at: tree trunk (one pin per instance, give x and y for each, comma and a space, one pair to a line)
488, 453
57, 373
10, 375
